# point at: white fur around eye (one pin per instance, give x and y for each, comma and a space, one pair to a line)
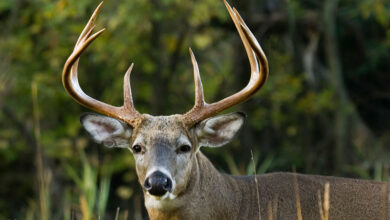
183, 140
139, 140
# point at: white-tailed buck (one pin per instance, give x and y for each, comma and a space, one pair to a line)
179, 182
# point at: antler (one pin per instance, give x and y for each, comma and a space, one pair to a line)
127, 112
201, 109
259, 74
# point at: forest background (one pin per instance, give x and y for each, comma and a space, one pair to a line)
324, 109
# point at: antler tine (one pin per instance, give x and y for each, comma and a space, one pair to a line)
255, 48
199, 97
126, 112
90, 25
127, 96
258, 76
237, 23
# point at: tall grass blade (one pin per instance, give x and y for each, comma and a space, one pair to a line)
103, 196
43, 175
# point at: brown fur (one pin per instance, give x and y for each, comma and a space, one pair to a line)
204, 193
211, 195
201, 192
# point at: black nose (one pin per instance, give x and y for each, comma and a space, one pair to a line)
158, 184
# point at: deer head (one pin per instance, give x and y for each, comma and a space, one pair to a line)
164, 146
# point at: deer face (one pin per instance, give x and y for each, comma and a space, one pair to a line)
163, 147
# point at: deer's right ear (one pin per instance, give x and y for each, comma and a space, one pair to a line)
109, 131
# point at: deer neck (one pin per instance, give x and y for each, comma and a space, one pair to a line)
209, 195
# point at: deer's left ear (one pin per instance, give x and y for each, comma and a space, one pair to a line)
219, 130
109, 131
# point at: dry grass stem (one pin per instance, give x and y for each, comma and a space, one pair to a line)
298, 200
125, 215
257, 185
326, 201
84, 208
320, 204
325, 205
269, 208
275, 206
117, 213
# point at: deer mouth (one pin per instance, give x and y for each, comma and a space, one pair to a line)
166, 202
166, 197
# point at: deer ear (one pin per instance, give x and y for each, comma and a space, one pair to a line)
219, 130
109, 131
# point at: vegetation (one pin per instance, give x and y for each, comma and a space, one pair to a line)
324, 110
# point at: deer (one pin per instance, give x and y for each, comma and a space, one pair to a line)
180, 182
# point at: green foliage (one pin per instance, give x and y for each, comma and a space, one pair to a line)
92, 199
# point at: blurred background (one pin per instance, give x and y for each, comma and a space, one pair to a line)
324, 110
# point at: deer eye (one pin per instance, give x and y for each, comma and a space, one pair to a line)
137, 149
183, 149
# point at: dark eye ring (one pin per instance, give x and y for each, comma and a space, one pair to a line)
184, 149
137, 149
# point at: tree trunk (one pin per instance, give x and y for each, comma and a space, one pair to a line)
345, 111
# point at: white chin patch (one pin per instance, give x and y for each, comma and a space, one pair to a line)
159, 202
166, 196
